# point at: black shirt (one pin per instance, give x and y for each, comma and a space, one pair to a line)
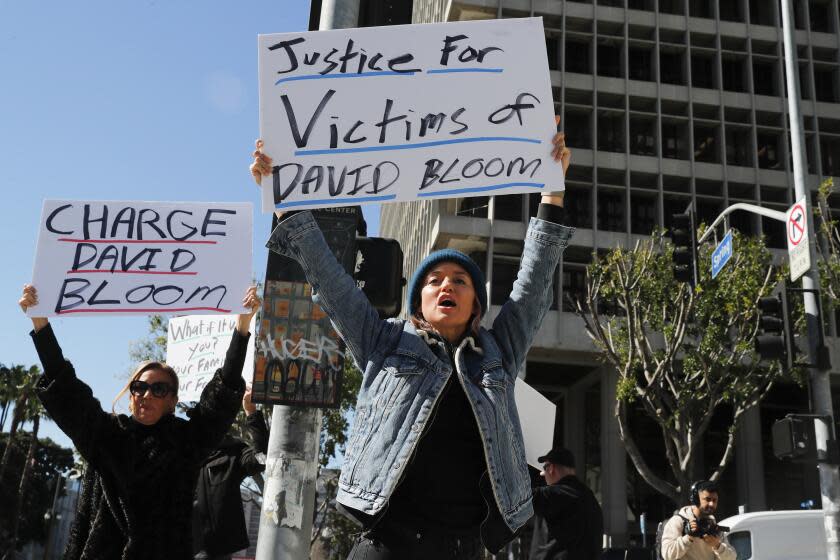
568, 523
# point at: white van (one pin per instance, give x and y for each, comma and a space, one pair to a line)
777, 535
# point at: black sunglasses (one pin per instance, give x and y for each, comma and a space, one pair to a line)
159, 388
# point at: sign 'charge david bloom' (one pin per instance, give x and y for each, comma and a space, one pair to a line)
402, 113
129, 257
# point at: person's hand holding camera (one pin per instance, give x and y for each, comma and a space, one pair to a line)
713, 541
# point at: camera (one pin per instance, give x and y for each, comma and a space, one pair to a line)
705, 526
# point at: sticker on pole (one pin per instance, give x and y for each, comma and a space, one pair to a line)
797, 239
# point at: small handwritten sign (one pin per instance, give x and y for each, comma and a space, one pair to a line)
129, 257
195, 348
406, 112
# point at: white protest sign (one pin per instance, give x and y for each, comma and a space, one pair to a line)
195, 348
420, 111
128, 257
536, 415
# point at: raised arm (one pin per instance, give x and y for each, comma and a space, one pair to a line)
219, 401
333, 289
520, 317
69, 401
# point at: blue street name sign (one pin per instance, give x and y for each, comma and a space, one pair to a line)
722, 254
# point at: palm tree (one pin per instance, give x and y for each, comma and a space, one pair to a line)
10, 379
28, 408
25, 396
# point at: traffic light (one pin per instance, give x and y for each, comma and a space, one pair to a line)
776, 341
379, 267
794, 438
684, 237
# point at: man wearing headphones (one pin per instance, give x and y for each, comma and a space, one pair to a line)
691, 534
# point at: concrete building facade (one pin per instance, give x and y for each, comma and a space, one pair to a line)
664, 102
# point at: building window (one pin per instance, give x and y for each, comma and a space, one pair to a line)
703, 71
577, 57
552, 47
700, 8
642, 138
611, 132
574, 285
671, 67
474, 207
578, 127
611, 210
674, 143
505, 268
824, 84
821, 19
738, 147
768, 151
774, 234
578, 206
671, 6
643, 217
705, 144
640, 64
762, 12
609, 61
640, 5
830, 149
764, 78
733, 74
730, 10
707, 210
508, 207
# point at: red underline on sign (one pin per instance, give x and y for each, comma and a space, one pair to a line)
136, 310
90, 271
144, 241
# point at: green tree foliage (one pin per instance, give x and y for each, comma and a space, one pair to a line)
50, 460
828, 244
680, 353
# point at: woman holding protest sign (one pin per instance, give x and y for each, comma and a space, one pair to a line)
137, 496
435, 464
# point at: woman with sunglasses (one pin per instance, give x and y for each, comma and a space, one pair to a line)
137, 494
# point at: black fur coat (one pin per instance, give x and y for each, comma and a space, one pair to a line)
137, 494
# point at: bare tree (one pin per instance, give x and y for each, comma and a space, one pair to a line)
680, 353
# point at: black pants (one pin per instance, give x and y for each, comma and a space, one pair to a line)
400, 543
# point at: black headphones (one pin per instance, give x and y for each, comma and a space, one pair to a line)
699, 486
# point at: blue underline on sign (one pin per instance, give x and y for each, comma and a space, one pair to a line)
481, 189
463, 70
418, 145
326, 76
336, 200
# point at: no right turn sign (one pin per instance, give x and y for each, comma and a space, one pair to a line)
797, 238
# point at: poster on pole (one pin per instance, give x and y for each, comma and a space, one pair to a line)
134, 257
195, 348
799, 252
406, 112
536, 415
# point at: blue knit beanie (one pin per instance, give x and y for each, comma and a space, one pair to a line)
447, 255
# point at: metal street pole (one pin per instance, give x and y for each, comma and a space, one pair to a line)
820, 386
291, 467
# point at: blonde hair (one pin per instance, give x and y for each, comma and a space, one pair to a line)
140, 370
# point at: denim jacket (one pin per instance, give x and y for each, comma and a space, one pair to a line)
403, 378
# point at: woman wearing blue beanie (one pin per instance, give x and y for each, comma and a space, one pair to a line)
435, 465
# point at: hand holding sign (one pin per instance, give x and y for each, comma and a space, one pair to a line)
252, 302
30, 299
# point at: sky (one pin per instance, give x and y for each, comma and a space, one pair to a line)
136, 100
